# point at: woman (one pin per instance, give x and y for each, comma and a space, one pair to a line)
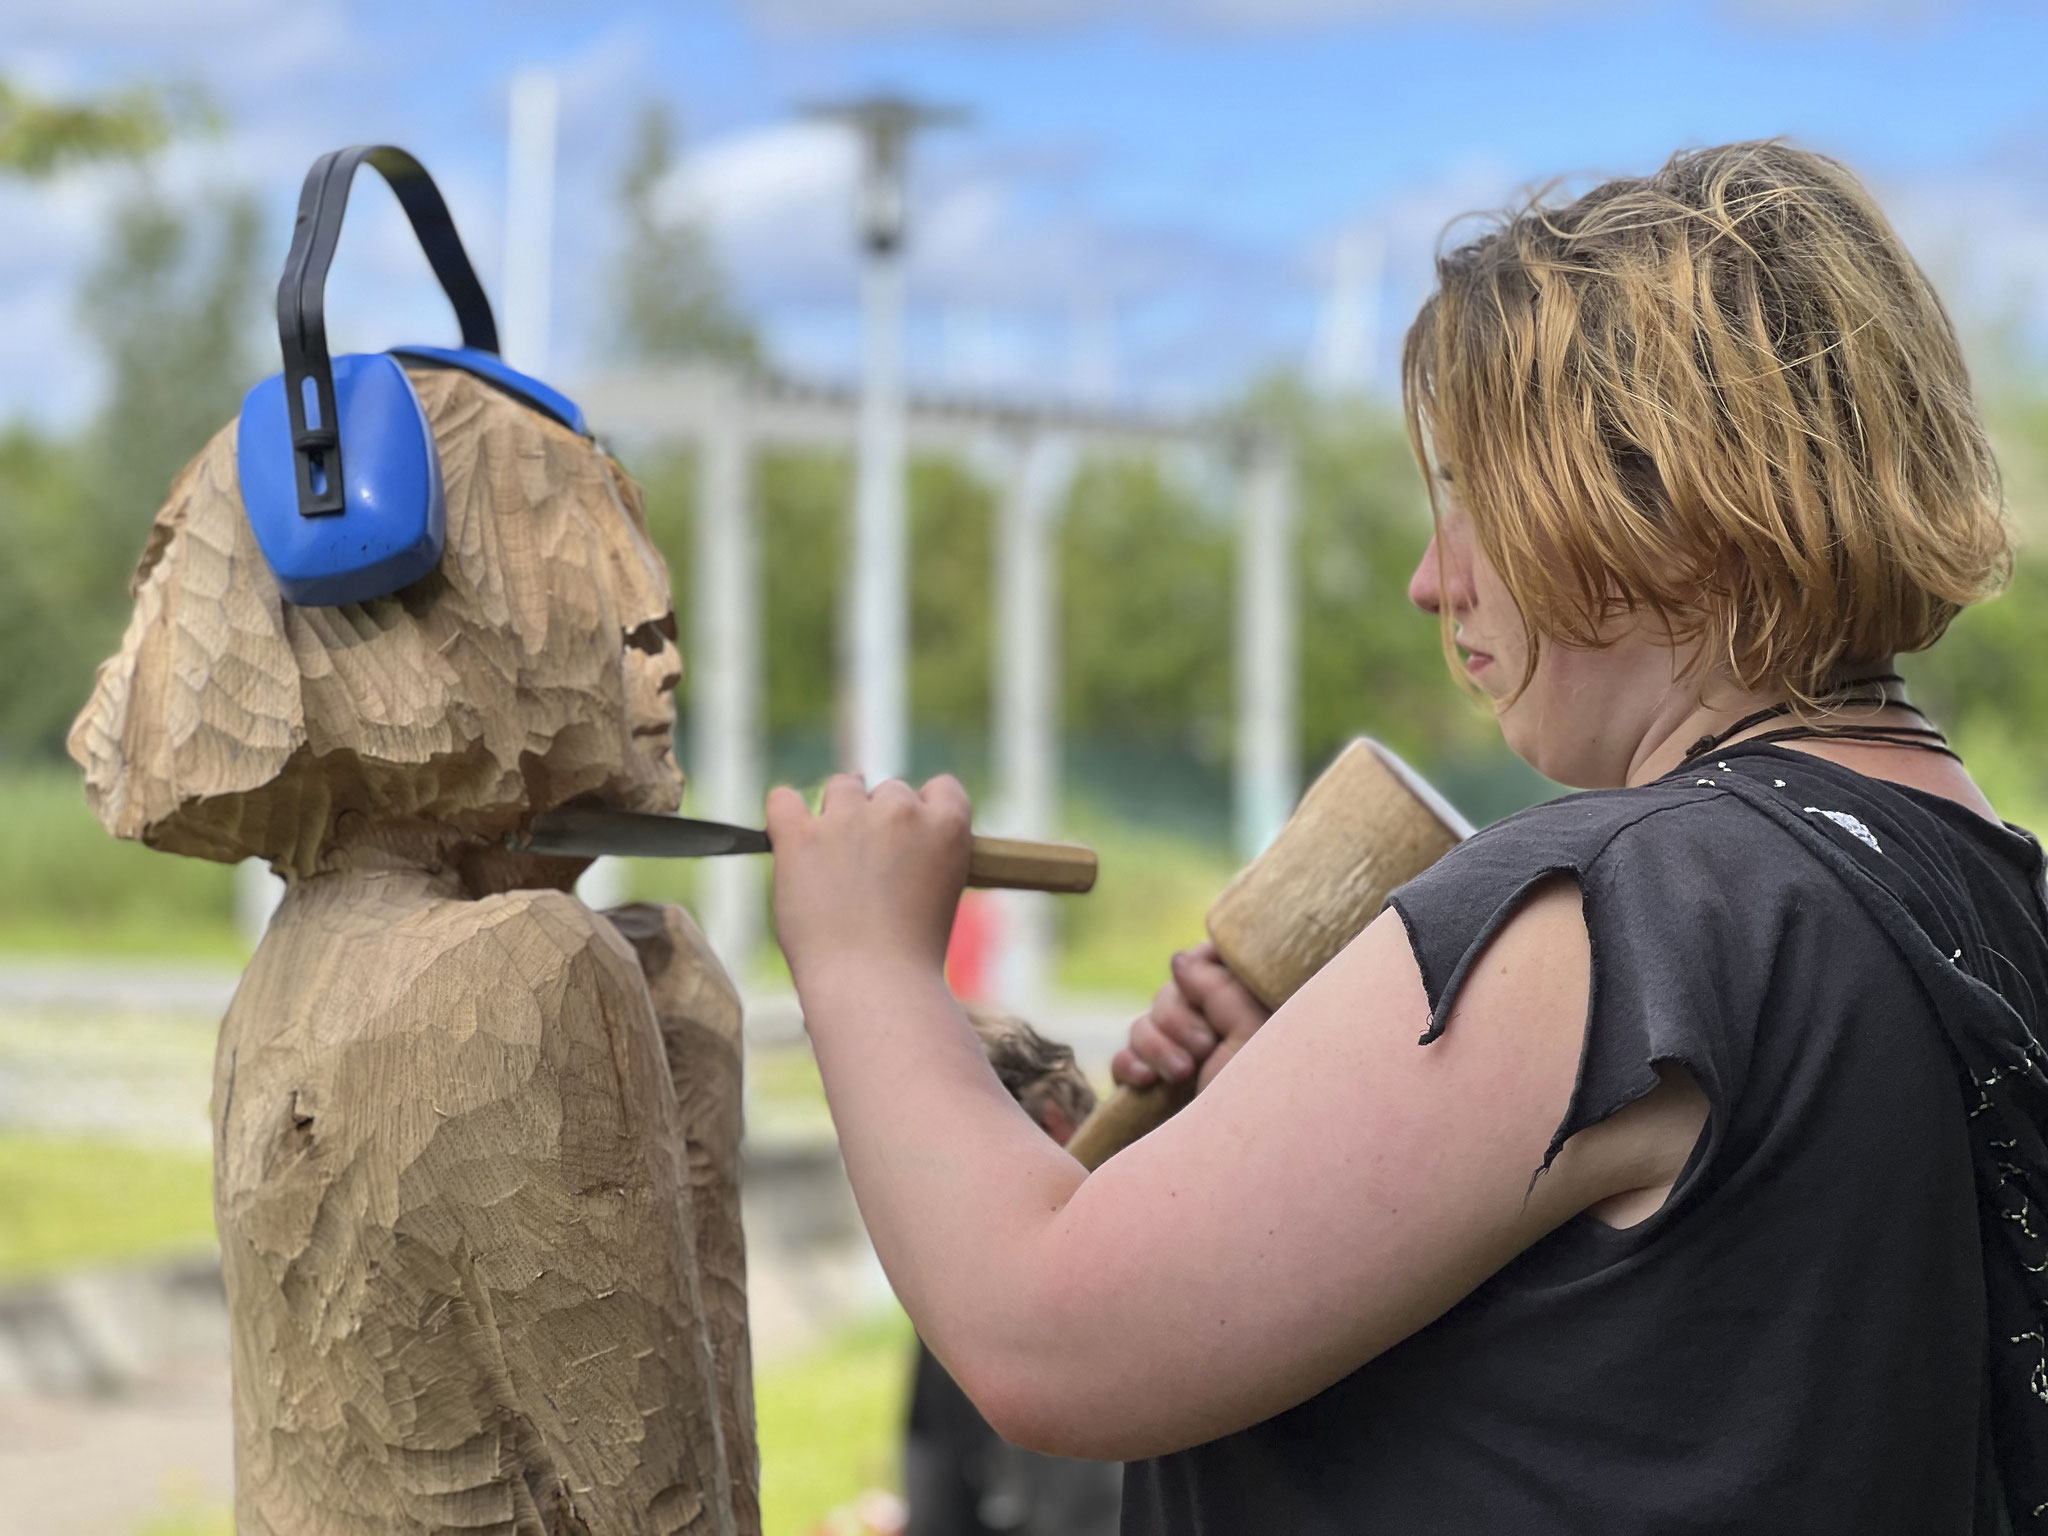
1708, 1199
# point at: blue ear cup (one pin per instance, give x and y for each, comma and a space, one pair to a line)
391, 524
337, 462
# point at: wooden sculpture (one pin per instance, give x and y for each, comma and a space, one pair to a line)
476, 1146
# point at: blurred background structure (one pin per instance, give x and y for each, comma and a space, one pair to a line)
1057, 446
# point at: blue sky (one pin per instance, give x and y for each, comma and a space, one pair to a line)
1149, 203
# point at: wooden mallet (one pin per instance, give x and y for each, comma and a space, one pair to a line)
1368, 825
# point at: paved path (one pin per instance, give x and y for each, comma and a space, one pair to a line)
104, 1466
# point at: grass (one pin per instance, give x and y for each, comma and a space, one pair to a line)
831, 1423
66, 1201
186, 1511
1149, 900
65, 885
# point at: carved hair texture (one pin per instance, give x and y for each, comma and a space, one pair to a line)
1724, 394
233, 724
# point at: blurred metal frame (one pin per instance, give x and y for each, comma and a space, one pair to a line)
729, 415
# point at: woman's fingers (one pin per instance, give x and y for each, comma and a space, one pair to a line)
948, 795
1165, 1055
786, 811
843, 792
1219, 997
1132, 1070
1180, 1023
874, 877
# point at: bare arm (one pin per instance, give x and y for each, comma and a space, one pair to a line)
1336, 1189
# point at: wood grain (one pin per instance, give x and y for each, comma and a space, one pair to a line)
1366, 826
698, 1010
1015, 864
476, 1155
231, 724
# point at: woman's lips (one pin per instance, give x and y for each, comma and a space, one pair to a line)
1476, 660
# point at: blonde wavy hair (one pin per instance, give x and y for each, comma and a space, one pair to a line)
1724, 394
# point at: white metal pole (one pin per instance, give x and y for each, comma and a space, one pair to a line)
257, 895
1268, 760
1347, 341
725, 714
529, 222
877, 645
1026, 726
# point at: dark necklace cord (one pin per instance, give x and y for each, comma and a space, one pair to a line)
1925, 737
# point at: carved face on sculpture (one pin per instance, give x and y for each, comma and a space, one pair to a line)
536, 666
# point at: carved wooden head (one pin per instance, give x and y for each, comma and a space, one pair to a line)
536, 666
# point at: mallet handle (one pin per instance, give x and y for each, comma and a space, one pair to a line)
1014, 864
1369, 824
1124, 1117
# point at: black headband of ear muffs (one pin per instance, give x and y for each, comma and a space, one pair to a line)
301, 297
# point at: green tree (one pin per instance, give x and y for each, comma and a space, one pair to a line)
39, 137
169, 306
1145, 627
801, 503
1370, 663
172, 306
952, 525
673, 304
1983, 683
51, 579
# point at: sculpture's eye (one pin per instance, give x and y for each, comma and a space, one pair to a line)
652, 636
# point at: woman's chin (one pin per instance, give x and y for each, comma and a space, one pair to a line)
1560, 761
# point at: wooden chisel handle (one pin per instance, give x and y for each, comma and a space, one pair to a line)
1014, 864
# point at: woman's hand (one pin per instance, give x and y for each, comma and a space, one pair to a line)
873, 877
1198, 1021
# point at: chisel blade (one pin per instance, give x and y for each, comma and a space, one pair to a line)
589, 832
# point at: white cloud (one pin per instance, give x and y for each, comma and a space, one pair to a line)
1982, 237
1016, 281
780, 199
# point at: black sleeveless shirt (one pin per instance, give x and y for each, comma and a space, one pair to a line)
1800, 1340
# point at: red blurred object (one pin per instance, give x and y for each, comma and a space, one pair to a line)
874, 1513
971, 952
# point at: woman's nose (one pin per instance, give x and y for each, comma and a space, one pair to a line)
1425, 588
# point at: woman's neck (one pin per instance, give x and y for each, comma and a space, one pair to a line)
1674, 733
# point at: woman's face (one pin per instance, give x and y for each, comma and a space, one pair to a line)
1586, 714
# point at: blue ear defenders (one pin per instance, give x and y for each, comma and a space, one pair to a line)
337, 462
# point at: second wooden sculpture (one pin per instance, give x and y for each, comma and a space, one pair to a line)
476, 1146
